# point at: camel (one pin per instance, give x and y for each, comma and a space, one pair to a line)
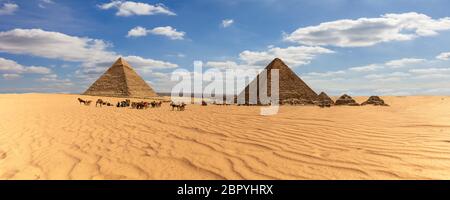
180, 107
153, 104
88, 103
173, 105
100, 101
158, 104
104, 103
123, 104
85, 102
81, 101
144, 105
139, 105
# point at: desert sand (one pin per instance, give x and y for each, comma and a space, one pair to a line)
51, 136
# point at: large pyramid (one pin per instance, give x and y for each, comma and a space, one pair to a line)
120, 80
290, 85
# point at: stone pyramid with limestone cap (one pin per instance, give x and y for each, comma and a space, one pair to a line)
290, 85
120, 80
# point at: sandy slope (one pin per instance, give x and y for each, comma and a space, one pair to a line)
46, 136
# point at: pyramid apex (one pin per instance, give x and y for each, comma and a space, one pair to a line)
323, 94
278, 60
122, 61
277, 63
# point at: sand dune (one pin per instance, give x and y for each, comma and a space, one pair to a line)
49, 136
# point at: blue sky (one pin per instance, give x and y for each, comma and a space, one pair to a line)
362, 47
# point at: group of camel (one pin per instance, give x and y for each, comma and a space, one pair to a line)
294, 102
101, 103
145, 105
322, 101
134, 105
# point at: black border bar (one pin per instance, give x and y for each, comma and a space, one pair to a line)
279, 189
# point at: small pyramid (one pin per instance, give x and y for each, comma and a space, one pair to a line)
346, 100
324, 98
375, 100
120, 80
290, 85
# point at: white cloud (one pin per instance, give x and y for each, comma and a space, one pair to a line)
137, 31
129, 8
37, 70
393, 75
161, 75
293, 56
430, 70
367, 68
167, 31
141, 63
370, 31
8, 8
431, 74
327, 74
43, 3
404, 62
180, 55
222, 64
93, 55
387, 69
10, 66
444, 56
227, 22
54, 79
11, 76
400, 63
415, 77
55, 45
